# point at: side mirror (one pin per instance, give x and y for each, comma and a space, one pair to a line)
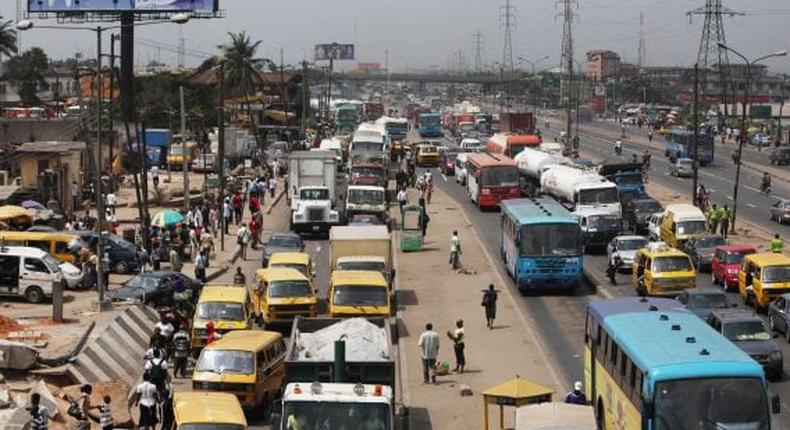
776, 405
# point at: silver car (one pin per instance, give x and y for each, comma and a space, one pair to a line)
625, 246
780, 212
682, 168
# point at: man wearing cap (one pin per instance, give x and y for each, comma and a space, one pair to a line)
576, 397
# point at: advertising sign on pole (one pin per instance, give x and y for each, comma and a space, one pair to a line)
334, 51
153, 6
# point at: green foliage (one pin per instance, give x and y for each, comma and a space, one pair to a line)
158, 99
7, 38
27, 70
241, 73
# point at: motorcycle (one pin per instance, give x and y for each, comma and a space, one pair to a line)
618, 148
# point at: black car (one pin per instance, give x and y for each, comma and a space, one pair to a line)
701, 249
637, 211
703, 301
123, 254
281, 242
747, 331
779, 315
154, 288
780, 156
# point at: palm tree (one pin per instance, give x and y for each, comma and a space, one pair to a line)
241, 74
7, 38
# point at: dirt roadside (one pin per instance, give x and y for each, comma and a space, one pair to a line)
430, 291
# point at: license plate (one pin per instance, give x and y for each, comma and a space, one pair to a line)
316, 228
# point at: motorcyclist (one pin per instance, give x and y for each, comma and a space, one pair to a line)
618, 147
766, 185
646, 159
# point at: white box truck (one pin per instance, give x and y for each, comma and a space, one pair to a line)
312, 191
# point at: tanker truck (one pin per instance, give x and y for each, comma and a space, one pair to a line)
531, 165
580, 189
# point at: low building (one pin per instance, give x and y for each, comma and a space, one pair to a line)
602, 64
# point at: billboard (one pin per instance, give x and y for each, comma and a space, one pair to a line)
334, 50
60, 6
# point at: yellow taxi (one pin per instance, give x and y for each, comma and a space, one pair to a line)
300, 261
358, 293
227, 307
282, 294
763, 277
64, 246
427, 155
206, 411
249, 364
680, 223
659, 270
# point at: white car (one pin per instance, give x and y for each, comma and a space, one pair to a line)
654, 226
72, 274
460, 168
470, 144
625, 246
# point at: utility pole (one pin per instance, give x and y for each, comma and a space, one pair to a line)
284, 88
567, 64
19, 8
100, 215
305, 96
641, 54
387, 68
695, 124
113, 38
478, 52
221, 150
184, 165
507, 16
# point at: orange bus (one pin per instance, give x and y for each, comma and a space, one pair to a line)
490, 179
511, 144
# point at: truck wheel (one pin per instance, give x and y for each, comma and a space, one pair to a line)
34, 295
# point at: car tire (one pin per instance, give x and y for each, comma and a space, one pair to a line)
121, 267
34, 294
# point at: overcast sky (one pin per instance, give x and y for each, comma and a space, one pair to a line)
425, 33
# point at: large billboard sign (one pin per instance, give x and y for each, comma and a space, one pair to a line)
65, 6
334, 51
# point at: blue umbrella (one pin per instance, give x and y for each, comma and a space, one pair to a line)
167, 218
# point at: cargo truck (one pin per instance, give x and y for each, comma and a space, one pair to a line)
312, 191
362, 248
627, 175
336, 382
580, 188
512, 122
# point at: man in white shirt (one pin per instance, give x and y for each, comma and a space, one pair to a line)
155, 175
111, 201
147, 397
429, 350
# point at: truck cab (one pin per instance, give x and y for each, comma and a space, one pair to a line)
354, 406
313, 211
364, 199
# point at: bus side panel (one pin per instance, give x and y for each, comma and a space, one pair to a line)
619, 412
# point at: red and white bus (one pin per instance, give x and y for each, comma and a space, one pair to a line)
511, 144
490, 179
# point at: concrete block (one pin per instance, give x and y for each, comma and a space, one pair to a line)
5, 398
46, 398
465, 390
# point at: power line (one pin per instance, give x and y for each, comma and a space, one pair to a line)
507, 16
710, 52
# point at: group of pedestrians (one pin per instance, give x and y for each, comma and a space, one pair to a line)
719, 220
428, 342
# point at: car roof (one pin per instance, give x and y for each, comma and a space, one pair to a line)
289, 258
203, 407
280, 274
733, 315
23, 251
736, 247
245, 340
222, 293
358, 277
768, 259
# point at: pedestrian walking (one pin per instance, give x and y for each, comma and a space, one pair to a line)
459, 344
155, 175
576, 397
156, 367
213, 218
243, 239
75, 196
207, 245
424, 220
106, 421
713, 219
237, 202
168, 418
403, 199
181, 347
776, 244
255, 231
724, 220
39, 415
200, 267
429, 350
83, 401
272, 184
455, 250
175, 260
227, 214
239, 278
142, 258
489, 303
147, 397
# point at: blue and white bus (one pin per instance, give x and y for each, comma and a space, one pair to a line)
430, 125
680, 144
541, 244
650, 365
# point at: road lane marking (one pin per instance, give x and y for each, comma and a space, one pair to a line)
751, 188
444, 177
729, 197
751, 205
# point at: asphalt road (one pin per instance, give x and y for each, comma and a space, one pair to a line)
560, 317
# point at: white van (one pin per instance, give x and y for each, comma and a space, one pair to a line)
28, 272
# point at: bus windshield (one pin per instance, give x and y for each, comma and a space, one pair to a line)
397, 127
360, 295
226, 361
691, 227
671, 264
499, 177
367, 146
429, 121
336, 415
221, 311
711, 403
601, 196
314, 194
366, 197
371, 266
550, 240
280, 289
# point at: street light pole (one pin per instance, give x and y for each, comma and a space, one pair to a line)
744, 133
100, 216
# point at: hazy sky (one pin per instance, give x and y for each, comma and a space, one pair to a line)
425, 33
